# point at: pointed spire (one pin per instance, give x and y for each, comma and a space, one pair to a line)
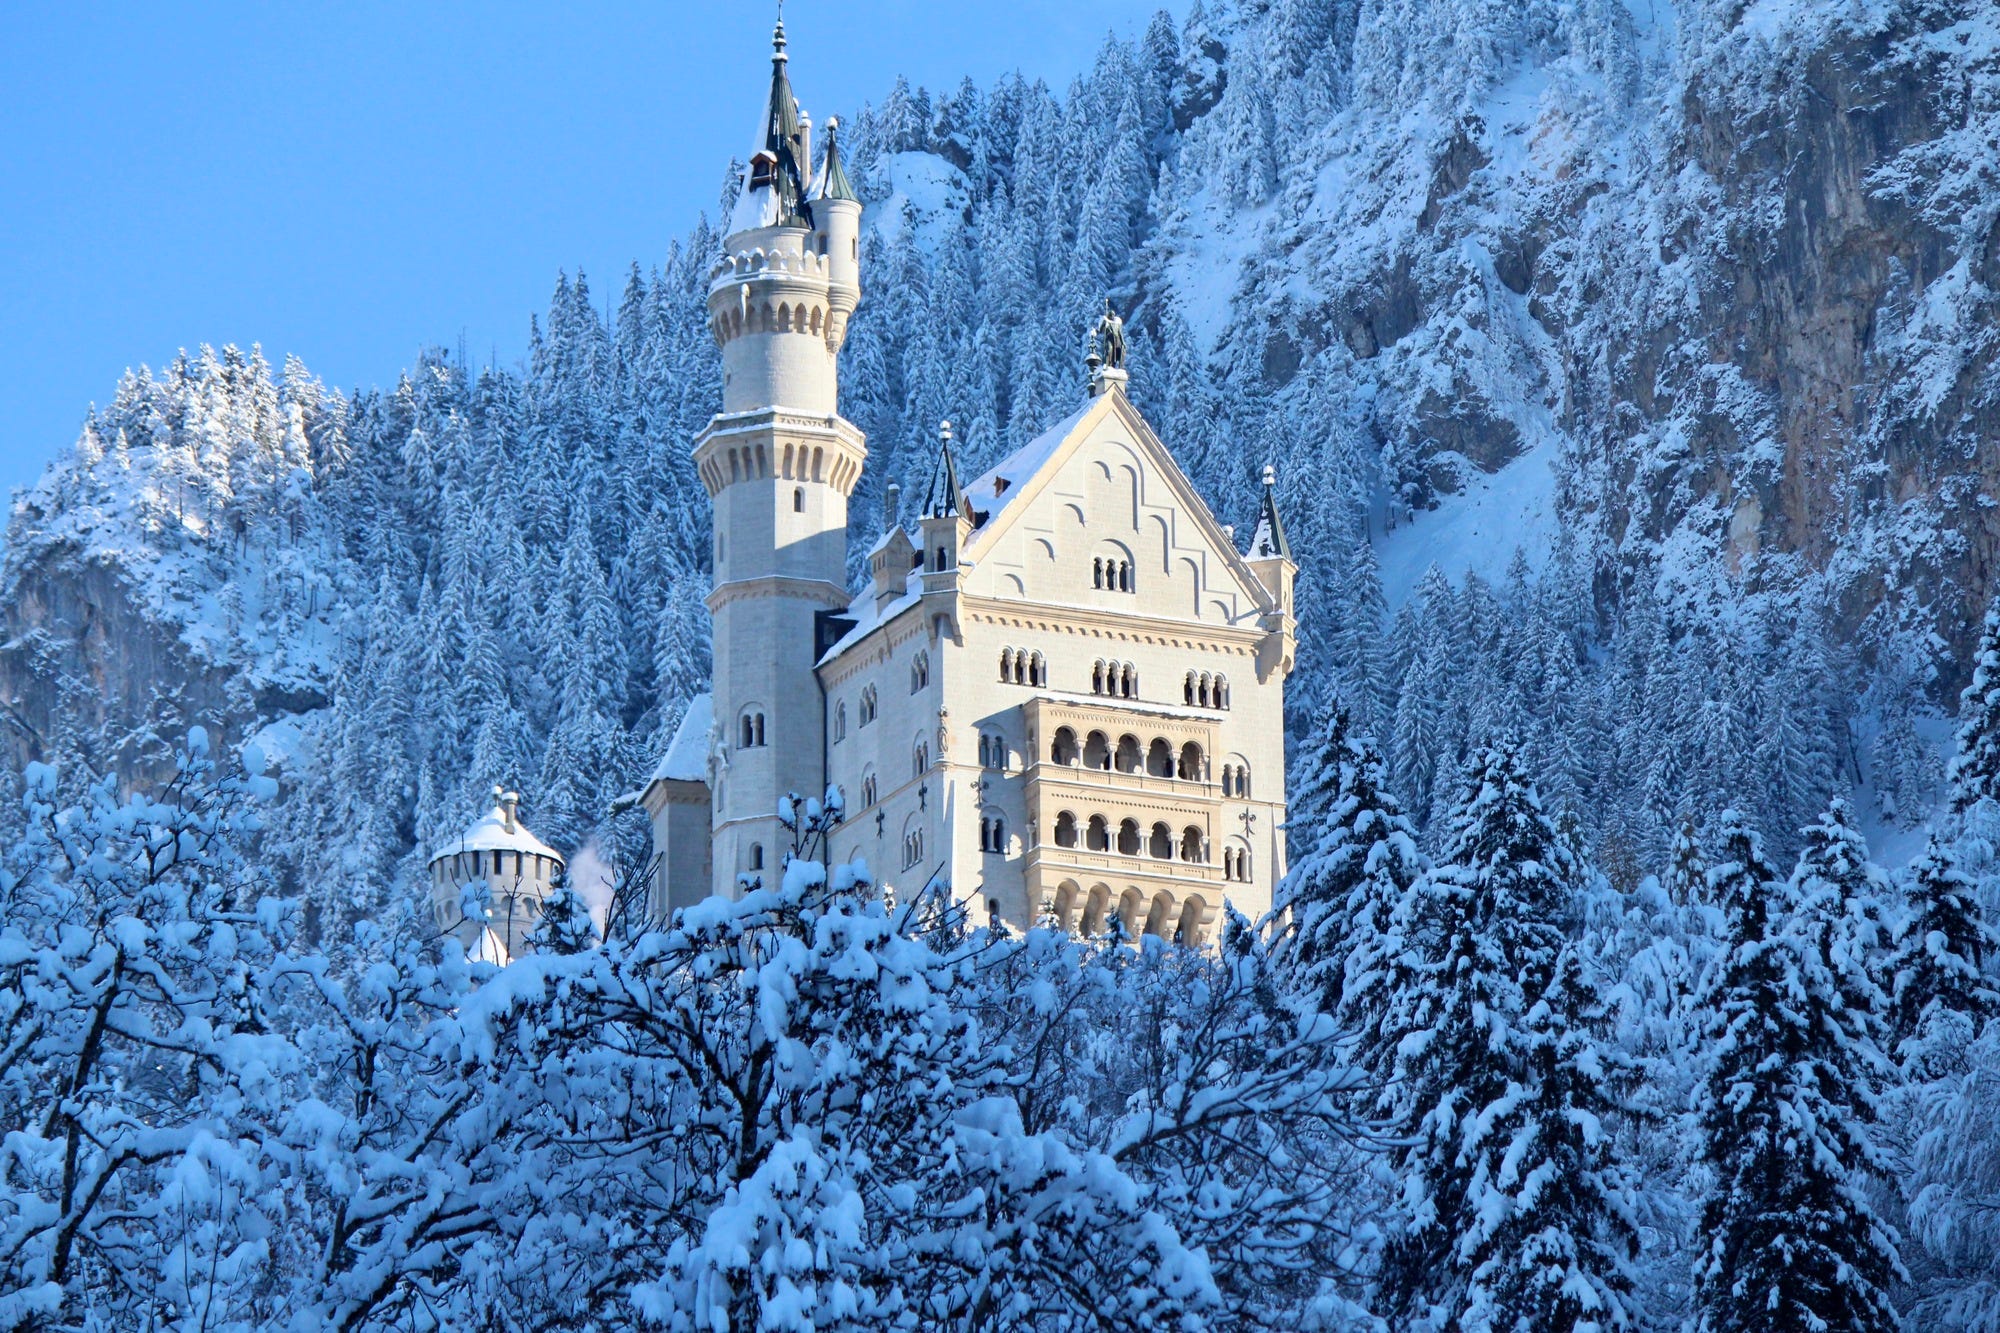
777, 166
1268, 540
833, 182
944, 500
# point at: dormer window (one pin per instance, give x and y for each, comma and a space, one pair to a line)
763, 170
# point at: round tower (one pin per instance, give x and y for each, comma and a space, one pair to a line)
513, 868
779, 464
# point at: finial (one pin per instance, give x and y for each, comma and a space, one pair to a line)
778, 34
1270, 476
892, 505
944, 431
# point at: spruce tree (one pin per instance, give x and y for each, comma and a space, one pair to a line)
1500, 1082
1938, 969
565, 926
1358, 859
1790, 1242
1975, 770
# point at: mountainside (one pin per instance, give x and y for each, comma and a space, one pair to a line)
1691, 305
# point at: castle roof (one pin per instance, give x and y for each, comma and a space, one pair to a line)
687, 757
832, 182
496, 831
780, 199
1268, 538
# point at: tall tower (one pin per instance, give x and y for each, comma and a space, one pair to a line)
779, 464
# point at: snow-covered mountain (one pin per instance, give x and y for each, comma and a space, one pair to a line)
1692, 305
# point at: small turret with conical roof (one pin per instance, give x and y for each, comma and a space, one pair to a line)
1270, 557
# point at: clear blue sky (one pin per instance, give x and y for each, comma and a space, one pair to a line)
351, 181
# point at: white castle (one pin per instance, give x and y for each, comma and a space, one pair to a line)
1063, 694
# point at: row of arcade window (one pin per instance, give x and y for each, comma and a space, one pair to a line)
1236, 864
1118, 679
1111, 574
750, 731
1018, 666
1206, 691
992, 751
913, 848
1235, 780
993, 835
1159, 759
1096, 835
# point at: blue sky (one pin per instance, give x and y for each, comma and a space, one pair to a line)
351, 181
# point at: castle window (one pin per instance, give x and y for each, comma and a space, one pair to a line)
943, 558
1194, 849
1097, 678
1097, 751
1038, 671
1064, 750
1065, 829
840, 721
920, 672
1221, 691
867, 705
993, 835
868, 788
1129, 758
798, 499
763, 170
756, 856
1161, 844
751, 731
992, 751
1098, 837
1193, 766
1112, 572
1128, 682
920, 759
1160, 759
913, 847
1128, 837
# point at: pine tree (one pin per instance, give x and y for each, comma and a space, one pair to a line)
1358, 857
1486, 931
1974, 775
1790, 1240
1938, 970
565, 926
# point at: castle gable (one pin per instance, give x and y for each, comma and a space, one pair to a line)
1096, 511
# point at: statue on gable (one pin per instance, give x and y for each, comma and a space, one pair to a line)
1110, 337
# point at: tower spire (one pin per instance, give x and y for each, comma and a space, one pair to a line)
1268, 540
944, 499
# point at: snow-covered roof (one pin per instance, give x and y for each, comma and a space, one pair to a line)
1008, 478
686, 759
866, 616
490, 833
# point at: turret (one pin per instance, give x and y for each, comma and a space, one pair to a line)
1270, 557
945, 522
837, 219
508, 867
779, 465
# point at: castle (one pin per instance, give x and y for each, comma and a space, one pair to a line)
1062, 693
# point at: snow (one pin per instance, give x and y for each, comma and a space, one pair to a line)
490, 833
1477, 530
934, 190
686, 759
991, 493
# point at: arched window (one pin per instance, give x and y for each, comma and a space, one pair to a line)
1038, 671
1130, 758
867, 705
840, 721
992, 751
1097, 677
1006, 666
993, 835
756, 856
920, 759
1128, 681
1097, 751
1065, 829
1161, 845
1221, 691
1193, 765
1194, 848
1128, 837
913, 847
1064, 750
1097, 572
1187, 690
920, 672
1160, 759
1094, 904
1188, 930
1097, 836
752, 730
798, 499
868, 788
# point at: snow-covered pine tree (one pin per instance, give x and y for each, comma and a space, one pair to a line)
1974, 775
1477, 1021
1357, 857
1789, 1239
1938, 970
565, 926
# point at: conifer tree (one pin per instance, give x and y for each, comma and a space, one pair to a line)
565, 926
1975, 770
1358, 858
1790, 1242
1499, 1077
1939, 965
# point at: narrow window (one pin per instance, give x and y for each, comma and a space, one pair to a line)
798, 499
756, 856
